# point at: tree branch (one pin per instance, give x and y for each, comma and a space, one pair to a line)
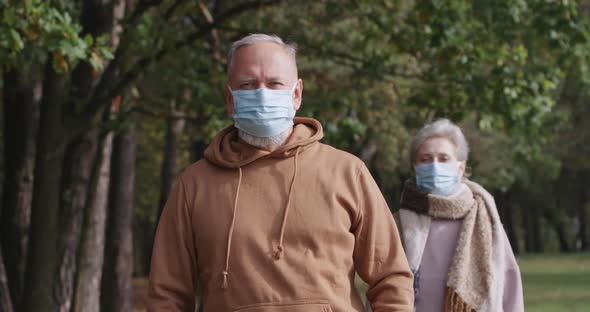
161, 115
171, 9
141, 8
105, 93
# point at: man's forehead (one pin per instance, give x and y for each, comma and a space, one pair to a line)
254, 76
269, 57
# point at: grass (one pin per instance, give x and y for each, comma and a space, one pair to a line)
556, 282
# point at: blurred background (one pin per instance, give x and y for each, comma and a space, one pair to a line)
104, 102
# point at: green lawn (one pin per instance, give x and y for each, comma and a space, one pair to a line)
556, 282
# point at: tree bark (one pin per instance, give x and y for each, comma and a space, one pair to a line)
80, 158
506, 208
582, 211
510, 230
5, 301
169, 169
117, 291
198, 147
21, 117
561, 237
174, 129
88, 279
538, 245
555, 219
42, 259
98, 17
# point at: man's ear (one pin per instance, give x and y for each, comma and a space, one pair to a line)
298, 94
229, 100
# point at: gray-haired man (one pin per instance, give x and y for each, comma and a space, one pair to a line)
272, 219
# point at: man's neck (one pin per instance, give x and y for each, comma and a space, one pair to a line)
267, 144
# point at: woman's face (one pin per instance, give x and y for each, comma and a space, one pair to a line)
440, 150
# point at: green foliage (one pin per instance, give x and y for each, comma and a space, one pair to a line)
500, 64
36, 28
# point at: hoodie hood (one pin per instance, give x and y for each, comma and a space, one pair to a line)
228, 151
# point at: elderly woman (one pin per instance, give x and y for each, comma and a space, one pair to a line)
451, 231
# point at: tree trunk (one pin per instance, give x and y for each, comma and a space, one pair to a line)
42, 259
80, 158
531, 233
505, 208
5, 301
538, 245
510, 230
555, 218
169, 170
117, 291
88, 279
21, 118
561, 237
532, 212
582, 214
198, 147
174, 129
98, 17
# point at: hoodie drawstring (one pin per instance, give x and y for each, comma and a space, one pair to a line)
231, 232
279, 251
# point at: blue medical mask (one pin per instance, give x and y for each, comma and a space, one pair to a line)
438, 178
263, 112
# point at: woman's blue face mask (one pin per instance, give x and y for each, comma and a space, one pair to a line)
439, 178
263, 112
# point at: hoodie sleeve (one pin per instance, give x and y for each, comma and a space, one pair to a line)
378, 254
173, 271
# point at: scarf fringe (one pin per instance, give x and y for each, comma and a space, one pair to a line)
454, 303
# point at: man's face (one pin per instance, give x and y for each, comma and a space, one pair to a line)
262, 65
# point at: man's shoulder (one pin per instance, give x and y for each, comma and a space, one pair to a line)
337, 156
199, 169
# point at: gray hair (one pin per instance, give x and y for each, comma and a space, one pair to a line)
290, 48
441, 128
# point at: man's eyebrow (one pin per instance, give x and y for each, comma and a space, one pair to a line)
245, 79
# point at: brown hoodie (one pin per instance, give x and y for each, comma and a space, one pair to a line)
277, 231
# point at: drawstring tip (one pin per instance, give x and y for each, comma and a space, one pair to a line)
278, 252
224, 284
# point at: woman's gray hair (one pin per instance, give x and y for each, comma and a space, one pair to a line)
290, 48
441, 128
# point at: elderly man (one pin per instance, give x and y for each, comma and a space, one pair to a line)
272, 219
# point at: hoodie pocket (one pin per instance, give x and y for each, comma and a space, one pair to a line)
291, 306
